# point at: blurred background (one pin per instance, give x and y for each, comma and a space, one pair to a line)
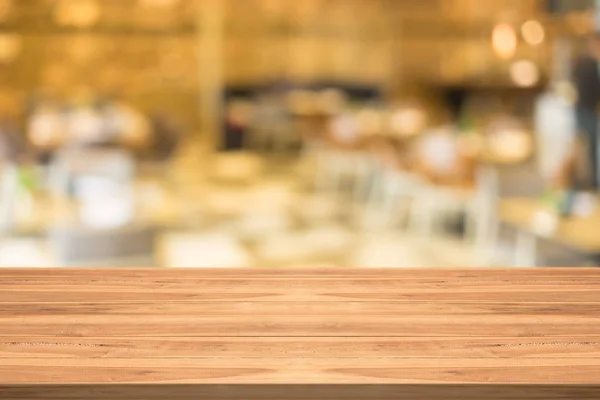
306, 133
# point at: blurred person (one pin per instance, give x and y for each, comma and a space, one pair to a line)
586, 77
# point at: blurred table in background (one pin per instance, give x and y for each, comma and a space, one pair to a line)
578, 236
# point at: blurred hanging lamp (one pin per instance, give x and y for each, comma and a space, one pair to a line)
10, 47
504, 41
77, 13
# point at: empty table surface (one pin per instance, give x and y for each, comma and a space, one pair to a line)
342, 326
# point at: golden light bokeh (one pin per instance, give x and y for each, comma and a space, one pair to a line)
525, 73
504, 41
408, 121
533, 32
10, 47
6, 7
159, 3
77, 13
370, 122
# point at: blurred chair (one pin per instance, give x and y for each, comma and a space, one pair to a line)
475, 192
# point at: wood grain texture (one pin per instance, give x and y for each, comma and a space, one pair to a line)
142, 326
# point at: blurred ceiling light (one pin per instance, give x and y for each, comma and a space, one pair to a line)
5, 9
10, 47
504, 41
525, 73
533, 32
78, 13
159, 3
408, 122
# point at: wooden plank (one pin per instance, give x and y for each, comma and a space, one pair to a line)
291, 309
298, 347
299, 285
308, 273
298, 371
447, 391
356, 326
440, 279
317, 325
89, 293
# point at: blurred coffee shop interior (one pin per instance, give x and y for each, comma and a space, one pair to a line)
306, 133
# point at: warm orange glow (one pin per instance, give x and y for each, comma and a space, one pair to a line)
159, 3
78, 13
504, 41
370, 122
10, 47
303, 102
533, 32
408, 122
5, 9
525, 73
331, 101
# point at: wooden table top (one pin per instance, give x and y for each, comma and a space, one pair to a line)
342, 326
580, 234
